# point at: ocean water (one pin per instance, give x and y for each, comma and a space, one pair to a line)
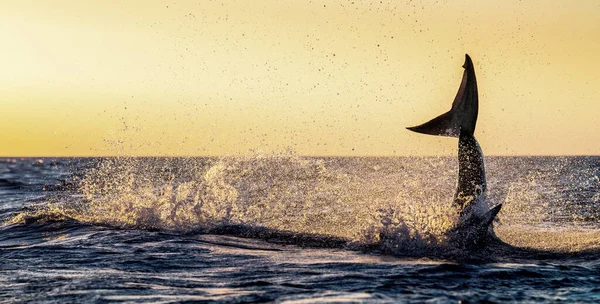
286, 228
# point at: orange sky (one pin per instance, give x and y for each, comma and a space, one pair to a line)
321, 77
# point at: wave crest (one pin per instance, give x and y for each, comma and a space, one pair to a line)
281, 192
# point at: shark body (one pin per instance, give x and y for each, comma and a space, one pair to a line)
474, 226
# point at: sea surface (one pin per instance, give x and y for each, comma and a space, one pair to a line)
285, 228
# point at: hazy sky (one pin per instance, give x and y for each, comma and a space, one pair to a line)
321, 77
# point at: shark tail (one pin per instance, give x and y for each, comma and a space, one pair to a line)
443, 125
462, 118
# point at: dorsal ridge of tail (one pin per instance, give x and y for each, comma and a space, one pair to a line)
462, 117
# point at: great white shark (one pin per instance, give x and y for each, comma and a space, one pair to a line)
474, 227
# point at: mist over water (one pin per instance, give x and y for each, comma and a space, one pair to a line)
169, 212
344, 197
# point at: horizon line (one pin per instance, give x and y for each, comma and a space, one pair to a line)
300, 155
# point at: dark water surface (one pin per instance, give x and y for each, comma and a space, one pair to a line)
245, 230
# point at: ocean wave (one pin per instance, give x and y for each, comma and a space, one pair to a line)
9, 184
285, 198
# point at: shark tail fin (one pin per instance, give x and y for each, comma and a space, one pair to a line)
443, 125
462, 118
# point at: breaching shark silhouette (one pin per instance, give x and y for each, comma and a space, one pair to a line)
474, 226
473, 232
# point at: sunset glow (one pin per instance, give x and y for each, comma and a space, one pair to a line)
82, 78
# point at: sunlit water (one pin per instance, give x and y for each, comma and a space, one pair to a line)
287, 228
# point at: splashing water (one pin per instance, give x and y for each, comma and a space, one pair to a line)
401, 204
278, 191
60, 231
553, 205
